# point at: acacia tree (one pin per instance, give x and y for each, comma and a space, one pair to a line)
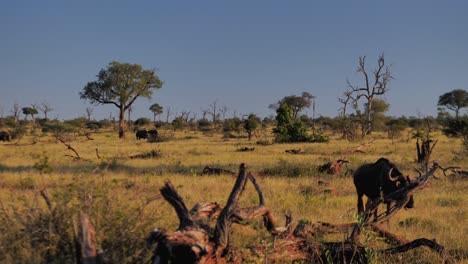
297, 103
156, 109
16, 112
121, 84
454, 100
29, 111
375, 84
250, 124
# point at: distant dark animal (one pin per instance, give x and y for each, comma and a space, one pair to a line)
215, 171
332, 167
5, 136
374, 178
141, 134
152, 134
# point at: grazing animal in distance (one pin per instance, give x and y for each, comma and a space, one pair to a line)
141, 134
5, 136
152, 135
380, 177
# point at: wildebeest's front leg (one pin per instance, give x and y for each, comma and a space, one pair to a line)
360, 205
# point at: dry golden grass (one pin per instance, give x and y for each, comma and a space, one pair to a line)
115, 190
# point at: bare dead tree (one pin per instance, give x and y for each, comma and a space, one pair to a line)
45, 107
185, 115
168, 114
89, 113
129, 109
375, 84
424, 150
197, 242
223, 111
213, 111
16, 111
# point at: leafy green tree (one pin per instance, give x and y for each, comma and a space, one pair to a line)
378, 109
232, 125
178, 123
395, 126
289, 129
456, 127
297, 103
454, 101
250, 124
120, 84
30, 111
156, 109
143, 121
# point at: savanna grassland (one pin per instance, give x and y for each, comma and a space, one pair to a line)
121, 194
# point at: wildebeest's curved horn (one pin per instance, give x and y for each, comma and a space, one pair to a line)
390, 176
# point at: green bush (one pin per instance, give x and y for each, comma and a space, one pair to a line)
143, 121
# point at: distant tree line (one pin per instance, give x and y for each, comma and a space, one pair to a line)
362, 110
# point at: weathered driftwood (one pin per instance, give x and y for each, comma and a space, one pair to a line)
334, 167
195, 242
147, 155
359, 148
456, 170
215, 171
350, 250
424, 150
77, 156
245, 149
97, 154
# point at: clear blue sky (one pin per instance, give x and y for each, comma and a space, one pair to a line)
245, 54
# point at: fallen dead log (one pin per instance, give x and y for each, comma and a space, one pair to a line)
293, 151
360, 148
246, 149
215, 171
197, 240
194, 242
455, 170
446, 258
77, 156
333, 167
147, 155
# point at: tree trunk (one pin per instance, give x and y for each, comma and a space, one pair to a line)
122, 122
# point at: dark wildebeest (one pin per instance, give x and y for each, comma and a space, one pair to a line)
153, 134
374, 178
141, 134
5, 136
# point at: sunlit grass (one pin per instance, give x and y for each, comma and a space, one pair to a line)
114, 187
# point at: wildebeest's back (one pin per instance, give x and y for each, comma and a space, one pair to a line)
141, 134
367, 180
5, 136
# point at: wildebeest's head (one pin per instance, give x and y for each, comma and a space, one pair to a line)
400, 181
